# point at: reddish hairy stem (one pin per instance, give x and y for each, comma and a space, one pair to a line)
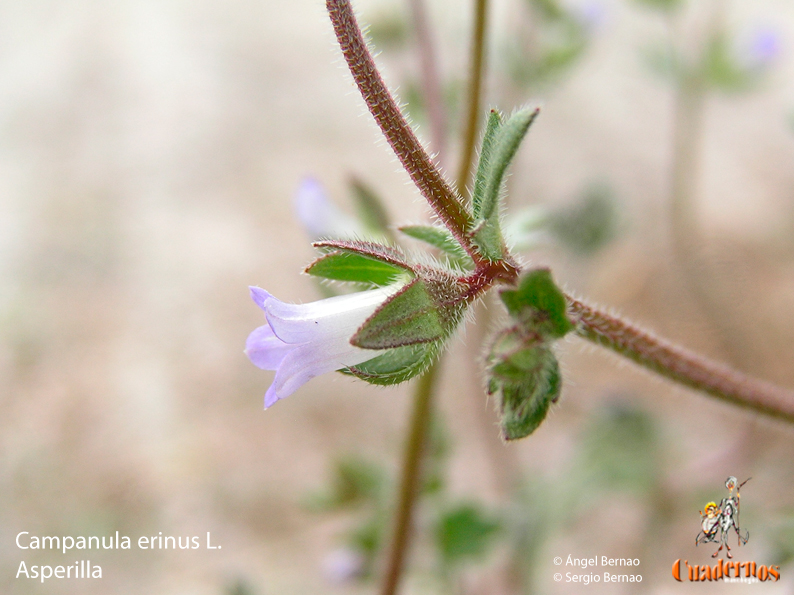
424, 173
679, 364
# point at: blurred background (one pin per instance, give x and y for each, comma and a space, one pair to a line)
150, 153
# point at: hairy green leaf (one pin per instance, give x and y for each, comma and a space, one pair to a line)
488, 139
506, 140
524, 405
538, 304
524, 375
355, 267
377, 251
438, 237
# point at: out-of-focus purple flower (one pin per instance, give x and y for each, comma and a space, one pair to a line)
319, 216
301, 341
764, 47
343, 565
591, 15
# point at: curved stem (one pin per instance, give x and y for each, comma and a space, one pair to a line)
424, 173
474, 92
679, 364
410, 478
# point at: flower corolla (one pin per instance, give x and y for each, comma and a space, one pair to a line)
301, 341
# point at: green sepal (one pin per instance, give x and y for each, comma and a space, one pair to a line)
438, 237
397, 365
500, 152
355, 267
538, 304
412, 315
486, 148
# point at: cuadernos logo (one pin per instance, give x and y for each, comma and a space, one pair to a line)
745, 572
716, 524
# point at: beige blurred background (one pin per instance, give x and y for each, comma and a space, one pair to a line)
149, 153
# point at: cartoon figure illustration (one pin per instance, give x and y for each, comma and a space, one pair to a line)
709, 524
722, 519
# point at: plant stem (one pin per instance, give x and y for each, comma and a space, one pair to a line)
640, 346
476, 70
679, 364
410, 478
430, 78
424, 173
448, 206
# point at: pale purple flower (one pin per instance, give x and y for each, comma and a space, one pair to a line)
343, 565
319, 216
591, 15
301, 341
765, 46
760, 48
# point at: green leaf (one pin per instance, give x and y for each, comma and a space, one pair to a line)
506, 141
488, 139
354, 267
377, 251
408, 317
538, 304
524, 375
488, 239
465, 532
370, 208
438, 237
523, 404
397, 365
